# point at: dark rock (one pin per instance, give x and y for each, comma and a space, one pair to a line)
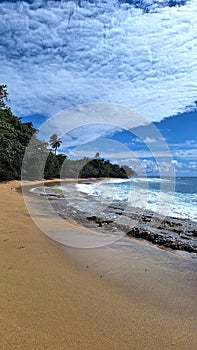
194, 233
98, 220
118, 217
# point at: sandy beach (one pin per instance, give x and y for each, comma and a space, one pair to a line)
52, 297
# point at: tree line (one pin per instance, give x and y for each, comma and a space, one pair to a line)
15, 137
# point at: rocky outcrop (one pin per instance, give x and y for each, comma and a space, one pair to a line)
118, 218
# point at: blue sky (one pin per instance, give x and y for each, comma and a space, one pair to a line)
140, 54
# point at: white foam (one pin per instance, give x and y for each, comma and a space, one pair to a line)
90, 189
181, 205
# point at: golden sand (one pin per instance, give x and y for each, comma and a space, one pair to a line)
47, 301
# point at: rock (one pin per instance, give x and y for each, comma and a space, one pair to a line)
118, 217
194, 233
98, 220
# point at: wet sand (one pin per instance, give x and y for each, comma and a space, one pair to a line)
122, 296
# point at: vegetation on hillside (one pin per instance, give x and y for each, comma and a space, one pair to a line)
15, 137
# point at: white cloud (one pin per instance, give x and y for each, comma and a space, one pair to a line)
150, 166
148, 140
191, 143
178, 165
87, 122
151, 154
60, 55
86, 134
184, 145
192, 165
187, 154
108, 149
185, 167
106, 154
141, 166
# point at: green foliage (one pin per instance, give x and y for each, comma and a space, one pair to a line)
99, 168
34, 160
53, 165
3, 96
17, 137
55, 142
97, 155
87, 168
14, 137
129, 171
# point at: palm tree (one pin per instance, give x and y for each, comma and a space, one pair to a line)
97, 155
55, 142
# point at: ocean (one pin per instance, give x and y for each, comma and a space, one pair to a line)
176, 198
162, 211
171, 197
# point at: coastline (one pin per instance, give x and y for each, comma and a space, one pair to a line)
119, 217
50, 299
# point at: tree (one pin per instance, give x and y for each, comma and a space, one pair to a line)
35, 159
3, 96
22, 151
97, 155
129, 171
14, 137
55, 142
53, 166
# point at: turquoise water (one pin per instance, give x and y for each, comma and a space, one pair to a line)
170, 197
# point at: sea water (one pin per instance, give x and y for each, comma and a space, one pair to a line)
171, 197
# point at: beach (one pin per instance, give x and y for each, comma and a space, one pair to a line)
56, 297
120, 208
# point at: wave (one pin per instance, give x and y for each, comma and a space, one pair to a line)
95, 195
175, 204
140, 179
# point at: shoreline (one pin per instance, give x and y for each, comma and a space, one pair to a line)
120, 218
51, 299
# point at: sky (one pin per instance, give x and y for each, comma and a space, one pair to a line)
140, 54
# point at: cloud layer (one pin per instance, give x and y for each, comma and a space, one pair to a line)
56, 55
